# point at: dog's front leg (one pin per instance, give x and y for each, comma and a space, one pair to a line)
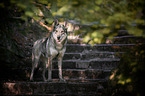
49, 69
60, 68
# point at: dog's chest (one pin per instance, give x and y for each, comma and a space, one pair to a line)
59, 46
53, 52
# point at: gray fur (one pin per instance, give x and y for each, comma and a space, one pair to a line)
48, 48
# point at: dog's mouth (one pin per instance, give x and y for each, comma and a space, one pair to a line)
58, 38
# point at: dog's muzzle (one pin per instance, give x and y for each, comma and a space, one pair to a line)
58, 38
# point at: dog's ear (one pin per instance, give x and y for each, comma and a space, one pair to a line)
65, 24
55, 22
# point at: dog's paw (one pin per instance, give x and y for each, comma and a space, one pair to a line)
31, 80
45, 80
62, 80
49, 80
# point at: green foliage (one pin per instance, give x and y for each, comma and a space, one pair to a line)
111, 13
130, 73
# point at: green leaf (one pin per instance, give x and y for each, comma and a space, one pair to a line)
97, 8
86, 38
91, 11
94, 34
63, 9
98, 1
23, 6
36, 10
135, 31
29, 13
49, 20
43, 1
36, 18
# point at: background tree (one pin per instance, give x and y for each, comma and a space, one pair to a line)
104, 17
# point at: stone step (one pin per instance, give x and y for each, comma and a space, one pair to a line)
92, 64
70, 68
22, 72
72, 56
128, 39
79, 74
96, 63
68, 74
85, 55
50, 88
78, 48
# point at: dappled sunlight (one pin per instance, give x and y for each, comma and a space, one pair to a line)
10, 87
16, 89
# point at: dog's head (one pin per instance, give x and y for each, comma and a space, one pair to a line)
59, 31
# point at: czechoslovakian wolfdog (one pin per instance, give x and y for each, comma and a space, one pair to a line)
49, 48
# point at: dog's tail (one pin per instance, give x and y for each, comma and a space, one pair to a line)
32, 58
35, 58
34, 61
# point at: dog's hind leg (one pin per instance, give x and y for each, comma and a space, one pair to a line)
45, 65
43, 74
49, 69
32, 72
34, 65
33, 68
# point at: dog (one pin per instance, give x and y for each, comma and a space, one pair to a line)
48, 48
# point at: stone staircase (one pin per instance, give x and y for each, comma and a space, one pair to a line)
85, 68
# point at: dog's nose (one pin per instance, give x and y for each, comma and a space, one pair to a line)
58, 37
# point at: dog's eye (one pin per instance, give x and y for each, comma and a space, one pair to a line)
62, 32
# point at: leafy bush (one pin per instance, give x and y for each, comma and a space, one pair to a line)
128, 78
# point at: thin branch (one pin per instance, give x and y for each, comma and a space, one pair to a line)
42, 24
